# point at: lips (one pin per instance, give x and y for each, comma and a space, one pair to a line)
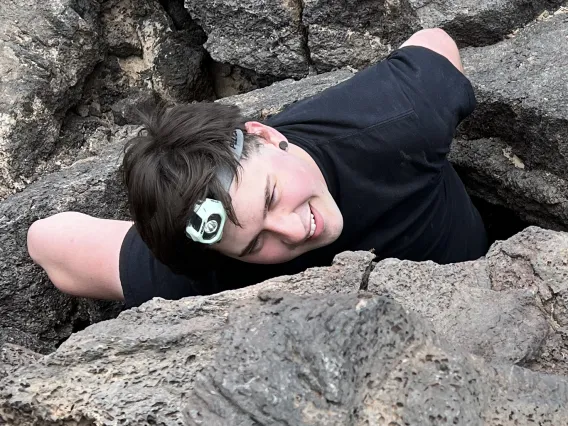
312, 225
316, 224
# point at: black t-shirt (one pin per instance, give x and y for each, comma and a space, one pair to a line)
380, 139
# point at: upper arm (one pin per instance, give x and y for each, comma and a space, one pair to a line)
80, 253
439, 41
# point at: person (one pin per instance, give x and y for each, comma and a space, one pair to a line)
220, 203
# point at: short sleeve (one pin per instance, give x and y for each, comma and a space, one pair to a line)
143, 277
440, 94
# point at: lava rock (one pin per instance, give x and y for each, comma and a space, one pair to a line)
48, 50
33, 313
266, 37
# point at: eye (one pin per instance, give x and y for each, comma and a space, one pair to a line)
273, 197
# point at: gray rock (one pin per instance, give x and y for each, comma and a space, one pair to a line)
355, 33
480, 22
33, 313
518, 84
48, 49
506, 307
152, 53
361, 360
266, 37
505, 327
262, 103
286, 39
126, 110
491, 171
262, 356
135, 369
13, 357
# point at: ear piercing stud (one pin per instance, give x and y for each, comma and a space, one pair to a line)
283, 146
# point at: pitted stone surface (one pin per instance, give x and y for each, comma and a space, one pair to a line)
509, 307
521, 98
139, 366
33, 313
47, 49
266, 37
491, 171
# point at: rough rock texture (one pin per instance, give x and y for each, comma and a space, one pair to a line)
355, 33
480, 22
304, 359
152, 52
522, 107
491, 171
353, 360
14, 356
266, 37
289, 38
47, 49
32, 312
505, 307
138, 367
262, 103
520, 98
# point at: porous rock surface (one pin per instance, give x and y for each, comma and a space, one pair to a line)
33, 313
304, 349
506, 307
289, 38
70, 71
47, 49
519, 130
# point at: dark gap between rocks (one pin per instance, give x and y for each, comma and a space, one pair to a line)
500, 222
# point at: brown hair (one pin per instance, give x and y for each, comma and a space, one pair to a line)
171, 165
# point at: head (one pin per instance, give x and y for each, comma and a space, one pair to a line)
274, 195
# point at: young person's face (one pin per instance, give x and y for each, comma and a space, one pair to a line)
296, 192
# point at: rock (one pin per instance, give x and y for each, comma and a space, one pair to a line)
13, 357
260, 355
286, 39
519, 97
179, 72
356, 33
182, 20
504, 307
33, 313
47, 51
231, 80
358, 360
152, 53
262, 103
492, 172
266, 37
517, 154
126, 110
480, 22
94, 374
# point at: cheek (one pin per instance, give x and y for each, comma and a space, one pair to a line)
295, 179
273, 251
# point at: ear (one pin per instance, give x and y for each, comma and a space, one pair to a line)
268, 134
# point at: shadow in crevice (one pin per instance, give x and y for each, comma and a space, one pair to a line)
500, 222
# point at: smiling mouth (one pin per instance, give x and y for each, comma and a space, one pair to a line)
312, 224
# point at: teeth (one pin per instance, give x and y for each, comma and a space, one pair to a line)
312, 226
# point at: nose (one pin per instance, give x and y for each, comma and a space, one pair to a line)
286, 226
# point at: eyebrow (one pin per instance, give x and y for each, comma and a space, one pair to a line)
267, 195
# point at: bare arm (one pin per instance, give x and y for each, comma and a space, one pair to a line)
439, 41
80, 253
